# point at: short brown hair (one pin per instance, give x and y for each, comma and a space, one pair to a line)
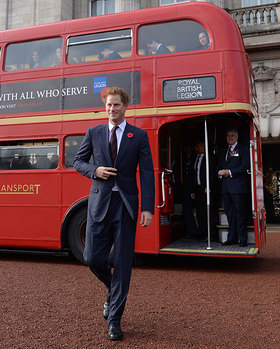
116, 91
234, 130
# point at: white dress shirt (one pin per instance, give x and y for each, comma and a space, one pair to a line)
119, 134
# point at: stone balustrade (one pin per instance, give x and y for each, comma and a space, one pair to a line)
257, 15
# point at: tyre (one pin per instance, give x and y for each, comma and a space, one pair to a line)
77, 234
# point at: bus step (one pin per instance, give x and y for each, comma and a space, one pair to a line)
223, 233
193, 247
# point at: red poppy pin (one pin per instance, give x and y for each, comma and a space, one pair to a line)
130, 135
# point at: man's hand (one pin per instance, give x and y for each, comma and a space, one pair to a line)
146, 218
224, 173
105, 172
193, 196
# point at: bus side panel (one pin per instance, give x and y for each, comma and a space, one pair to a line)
236, 83
30, 205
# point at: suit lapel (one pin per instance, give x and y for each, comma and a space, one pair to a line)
126, 139
104, 141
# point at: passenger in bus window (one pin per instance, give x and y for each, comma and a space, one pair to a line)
54, 161
34, 61
21, 162
203, 40
156, 47
106, 54
43, 162
57, 57
233, 167
7, 162
199, 192
72, 146
117, 149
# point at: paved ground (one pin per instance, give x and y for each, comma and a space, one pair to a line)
174, 302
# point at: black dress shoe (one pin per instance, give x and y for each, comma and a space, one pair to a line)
115, 332
242, 243
229, 242
106, 309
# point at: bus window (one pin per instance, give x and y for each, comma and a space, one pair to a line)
172, 37
33, 54
25, 155
99, 46
71, 146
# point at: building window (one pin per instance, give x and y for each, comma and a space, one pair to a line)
169, 2
250, 3
102, 7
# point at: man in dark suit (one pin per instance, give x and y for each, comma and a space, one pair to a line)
105, 54
157, 47
233, 165
199, 192
188, 202
117, 148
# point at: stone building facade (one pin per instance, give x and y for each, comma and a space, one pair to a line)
259, 25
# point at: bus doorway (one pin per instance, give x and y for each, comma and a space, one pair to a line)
271, 169
177, 146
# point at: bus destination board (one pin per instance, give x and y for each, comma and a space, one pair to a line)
189, 89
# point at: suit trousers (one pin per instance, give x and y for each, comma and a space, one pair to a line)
188, 204
201, 207
236, 206
118, 229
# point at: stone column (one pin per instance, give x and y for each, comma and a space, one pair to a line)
81, 8
4, 14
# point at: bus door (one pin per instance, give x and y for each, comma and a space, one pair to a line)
258, 210
165, 178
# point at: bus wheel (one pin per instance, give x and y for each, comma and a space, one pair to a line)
77, 234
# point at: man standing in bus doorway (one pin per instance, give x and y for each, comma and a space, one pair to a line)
232, 169
199, 192
117, 148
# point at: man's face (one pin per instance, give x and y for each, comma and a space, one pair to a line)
152, 46
200, 148
105, 53
35, 56
203, 39
115, 109
231, 137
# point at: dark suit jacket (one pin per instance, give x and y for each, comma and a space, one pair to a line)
202, 173
162, 49
134, 149
238, 164
114, 55
188, 163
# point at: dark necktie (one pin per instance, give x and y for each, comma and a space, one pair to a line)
113, 144
228, 153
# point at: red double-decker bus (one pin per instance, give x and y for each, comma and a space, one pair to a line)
52, 80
